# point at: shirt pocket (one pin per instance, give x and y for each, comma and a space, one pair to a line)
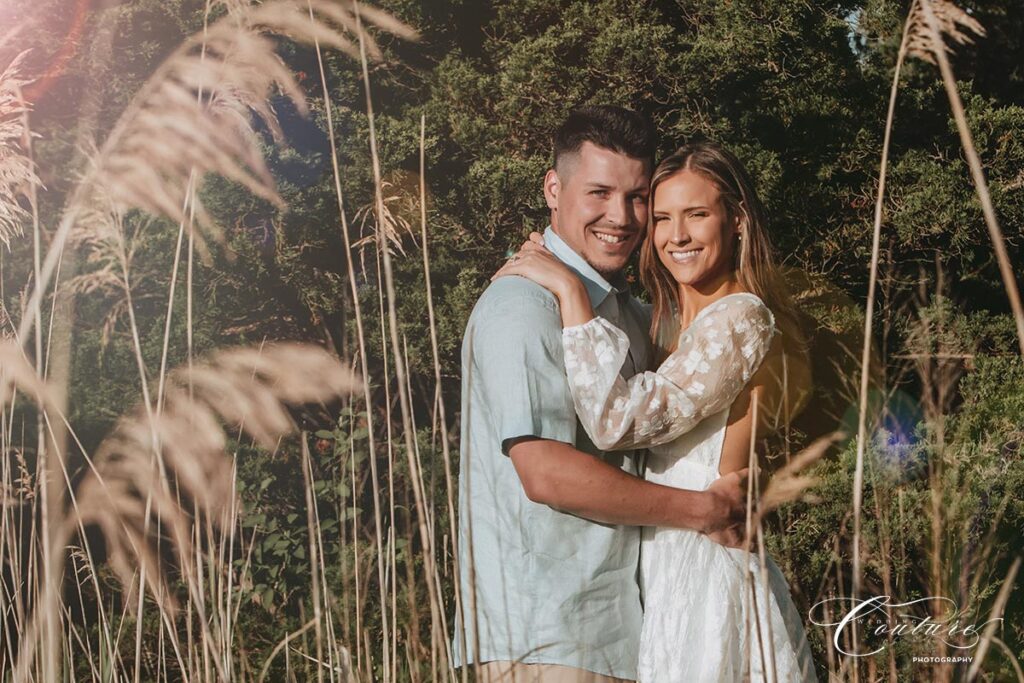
554, 534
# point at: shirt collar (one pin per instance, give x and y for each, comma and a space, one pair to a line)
598, 288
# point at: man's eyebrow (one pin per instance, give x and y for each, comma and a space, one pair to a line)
640, 189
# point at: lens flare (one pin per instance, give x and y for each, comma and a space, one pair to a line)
70, 43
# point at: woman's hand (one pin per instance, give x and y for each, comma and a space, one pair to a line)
536, 263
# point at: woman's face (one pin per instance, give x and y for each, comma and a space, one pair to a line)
693, 233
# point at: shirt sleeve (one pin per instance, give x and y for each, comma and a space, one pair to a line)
519, 372
714, 359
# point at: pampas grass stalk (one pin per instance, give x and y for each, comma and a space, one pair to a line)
164, 128
17, 171
391, 672
307, 477
865, 362
426, 538
929, 23
442, 416
361, 341
748, 535
994, 620
933, 22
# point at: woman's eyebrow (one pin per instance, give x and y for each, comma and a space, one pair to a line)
695, 207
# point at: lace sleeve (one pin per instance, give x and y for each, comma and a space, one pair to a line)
715, 358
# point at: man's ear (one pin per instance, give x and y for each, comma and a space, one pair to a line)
552, 187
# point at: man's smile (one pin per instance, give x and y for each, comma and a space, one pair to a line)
614, 239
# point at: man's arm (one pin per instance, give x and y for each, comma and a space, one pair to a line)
515, 359
559, 476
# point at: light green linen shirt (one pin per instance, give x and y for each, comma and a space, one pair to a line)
540, 586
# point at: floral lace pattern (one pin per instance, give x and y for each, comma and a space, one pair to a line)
696, 593
715, 358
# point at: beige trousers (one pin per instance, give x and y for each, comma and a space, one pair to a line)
517, 672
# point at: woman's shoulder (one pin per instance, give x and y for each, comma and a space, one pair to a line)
738, 309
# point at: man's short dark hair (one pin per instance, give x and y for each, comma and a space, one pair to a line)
613, 128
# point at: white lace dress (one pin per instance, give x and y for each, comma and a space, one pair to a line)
695, 591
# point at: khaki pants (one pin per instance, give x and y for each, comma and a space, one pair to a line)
517, 672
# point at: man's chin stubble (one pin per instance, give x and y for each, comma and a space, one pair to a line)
605, 271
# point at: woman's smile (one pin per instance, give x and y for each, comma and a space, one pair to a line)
685, 255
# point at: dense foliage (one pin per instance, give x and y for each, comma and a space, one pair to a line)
797, 89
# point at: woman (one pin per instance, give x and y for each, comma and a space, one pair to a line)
717, 311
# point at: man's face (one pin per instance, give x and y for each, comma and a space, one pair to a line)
598, 202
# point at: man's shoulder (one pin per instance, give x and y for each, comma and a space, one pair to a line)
511, 294
514, 311
513, 316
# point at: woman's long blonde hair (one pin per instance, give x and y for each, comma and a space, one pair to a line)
755, 264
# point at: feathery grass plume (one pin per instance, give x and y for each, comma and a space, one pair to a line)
246, 387
390, 223
17, 374
109, 250
233, 6
195, 114
954, 24
789, 483
12, 32
16, 168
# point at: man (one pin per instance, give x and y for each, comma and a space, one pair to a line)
549, 525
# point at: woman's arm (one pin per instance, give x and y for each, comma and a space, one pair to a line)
574, 303
536, 263
715, 359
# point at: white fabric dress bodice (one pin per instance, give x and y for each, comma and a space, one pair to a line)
708, 614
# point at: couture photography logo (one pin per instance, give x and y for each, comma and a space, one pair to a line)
880, 622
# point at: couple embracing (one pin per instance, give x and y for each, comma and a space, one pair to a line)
604, 441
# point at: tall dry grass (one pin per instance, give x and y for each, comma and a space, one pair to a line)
929, 26
17, 173
163, 483
162, 488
